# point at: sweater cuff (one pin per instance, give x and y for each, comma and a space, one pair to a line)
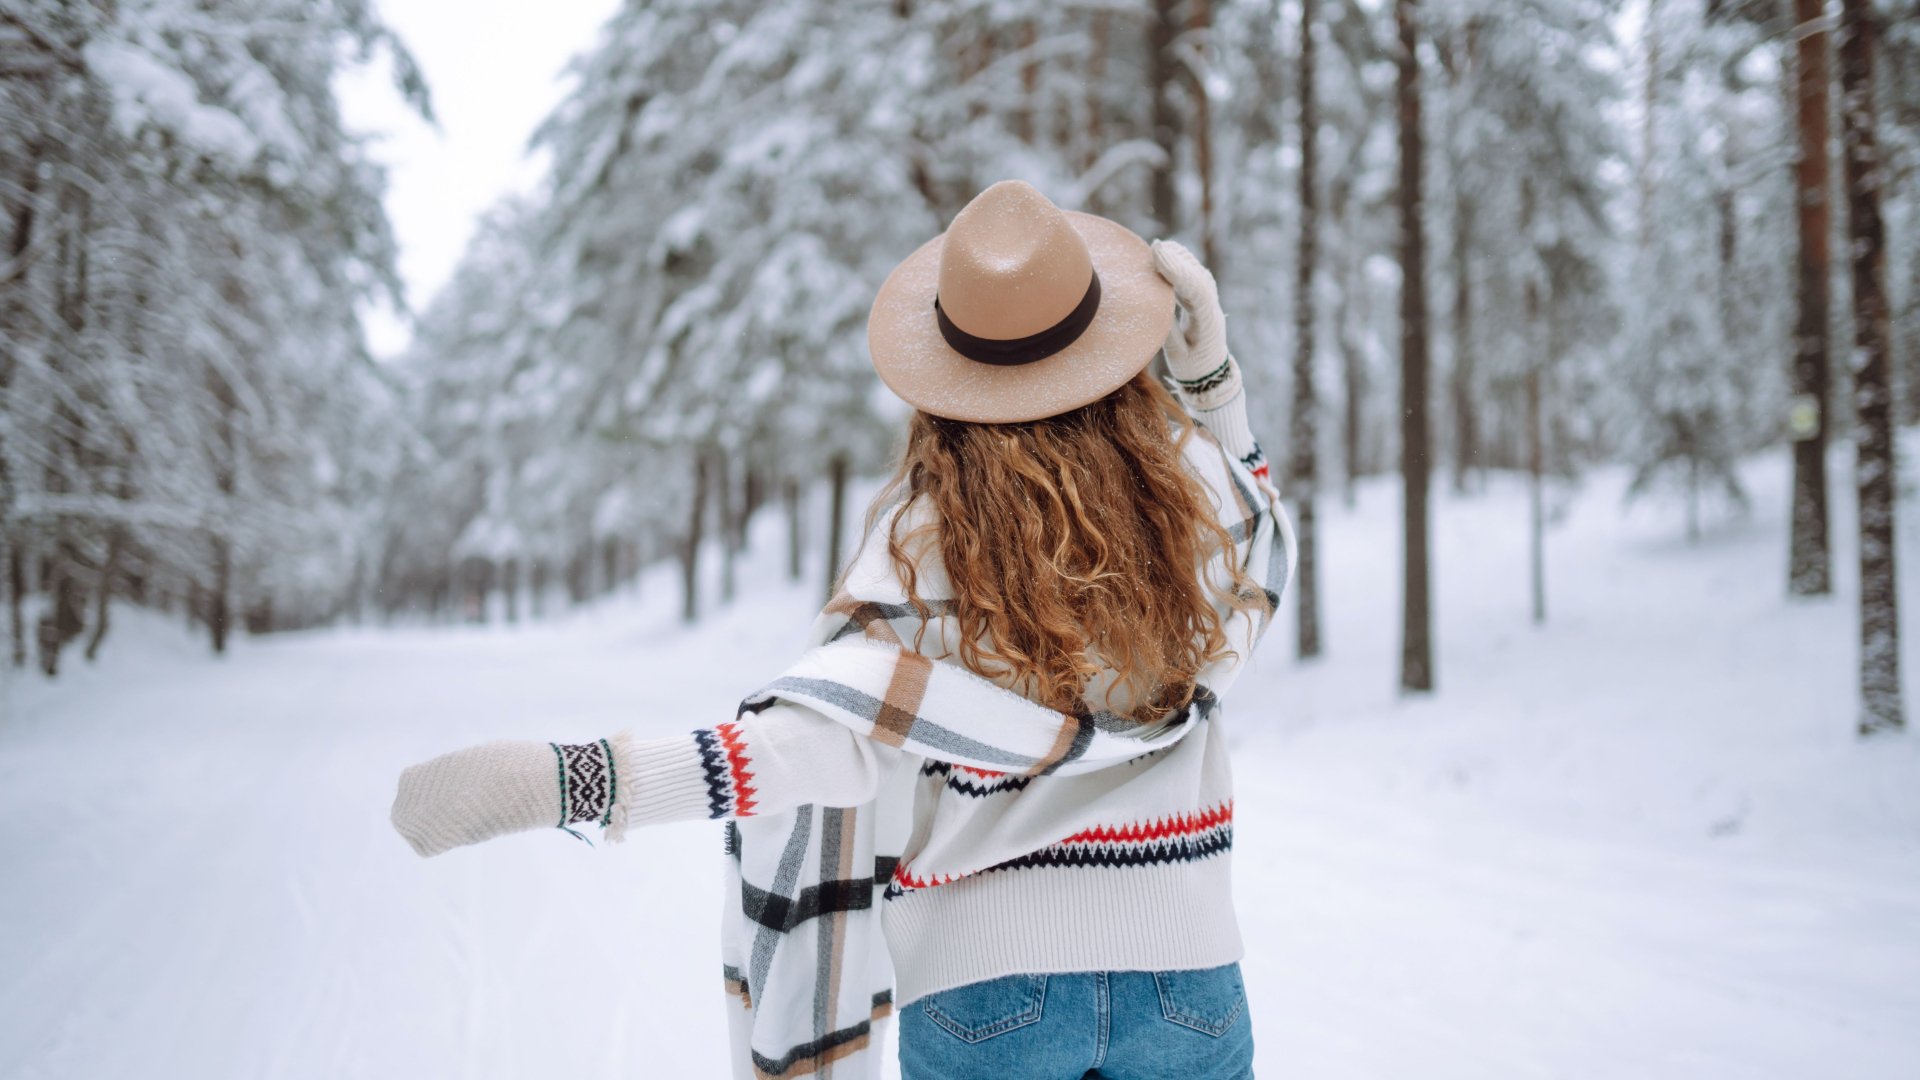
1213, 389
1223, 412
657, 780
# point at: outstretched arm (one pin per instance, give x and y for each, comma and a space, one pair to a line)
775, 759
1204, 372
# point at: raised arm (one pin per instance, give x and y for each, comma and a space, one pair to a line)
760, 762
1204, 372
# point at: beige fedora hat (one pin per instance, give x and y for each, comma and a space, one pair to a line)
1020, 310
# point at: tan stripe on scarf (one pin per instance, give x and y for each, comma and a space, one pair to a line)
837, 948
876, 628
902, 703
1062, 742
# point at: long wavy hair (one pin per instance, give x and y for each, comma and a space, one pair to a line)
1073, 544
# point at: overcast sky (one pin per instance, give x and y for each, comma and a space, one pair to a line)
494, 69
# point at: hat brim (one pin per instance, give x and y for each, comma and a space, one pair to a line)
915, 361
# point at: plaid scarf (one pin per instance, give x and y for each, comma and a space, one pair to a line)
804, 960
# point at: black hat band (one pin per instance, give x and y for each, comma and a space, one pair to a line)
1007, 352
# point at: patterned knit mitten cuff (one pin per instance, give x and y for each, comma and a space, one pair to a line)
589, 777
510, 785
1211, 389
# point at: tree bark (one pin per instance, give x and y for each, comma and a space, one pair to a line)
1025, 122
1909, 320
510, 586
1352, 371
1161, 74
1096, 95
1466, 425
1536, 453
1808, 557
796, 546
1881, 708
730, 512
1304, 468
1416, 654
690, 543
754, 494
21, 240
62, 621
16, 600
1200, 24
103, 585
836, 523
220, 603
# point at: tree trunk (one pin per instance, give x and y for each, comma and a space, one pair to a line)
609, 564
103, 589
1536, 496
755, 494
220, 603
1025, 123
1356, 389
796, 548
1881, 708
21, 240
1304, 467
1466, 426
1808, 558
1650, 97
1352, 371
1909, 321
1466, 429
1161, 74
1200, 24
510, 585
63, 621
480, 598
836, 522
690, 543
729, 507
1416, 654
16, 600
1096, 95
1536, 422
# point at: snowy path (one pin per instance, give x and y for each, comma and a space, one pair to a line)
1638, 843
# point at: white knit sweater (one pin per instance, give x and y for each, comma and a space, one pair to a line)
1127, 894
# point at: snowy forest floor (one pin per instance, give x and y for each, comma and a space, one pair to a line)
1641, 841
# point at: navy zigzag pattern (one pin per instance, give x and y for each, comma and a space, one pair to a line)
978, 789
713, 760
1170, 850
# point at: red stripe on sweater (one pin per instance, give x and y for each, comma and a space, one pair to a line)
743, 792
909, 881
1160, 829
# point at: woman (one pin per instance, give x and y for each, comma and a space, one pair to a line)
1007, 713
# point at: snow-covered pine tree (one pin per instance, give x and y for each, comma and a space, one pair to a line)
1881, 704
1705, 286
189, 401
1530, 144
1416, 638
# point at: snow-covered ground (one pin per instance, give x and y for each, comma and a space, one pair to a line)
1641, 841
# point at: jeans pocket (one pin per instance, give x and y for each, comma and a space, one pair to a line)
981, 1010
1208, 1000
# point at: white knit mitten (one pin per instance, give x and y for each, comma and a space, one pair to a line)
501, 787
1197, 345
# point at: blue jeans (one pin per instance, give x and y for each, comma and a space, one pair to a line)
1114, 1025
